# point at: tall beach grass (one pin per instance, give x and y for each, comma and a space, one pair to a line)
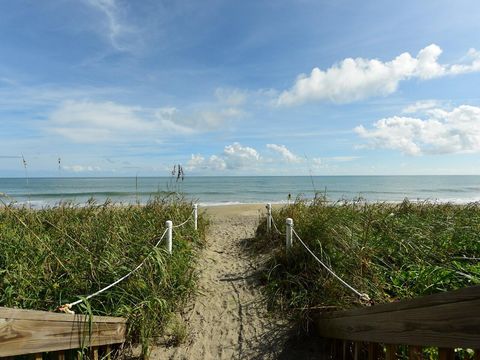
389, 251
55, 255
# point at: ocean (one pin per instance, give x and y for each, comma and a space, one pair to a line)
39, 192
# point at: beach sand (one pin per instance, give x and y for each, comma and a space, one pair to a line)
228, 318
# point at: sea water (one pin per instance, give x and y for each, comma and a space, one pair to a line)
216, 190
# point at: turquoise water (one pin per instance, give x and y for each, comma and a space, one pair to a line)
248, 189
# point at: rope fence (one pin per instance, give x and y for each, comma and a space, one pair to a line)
67, 308
290, 233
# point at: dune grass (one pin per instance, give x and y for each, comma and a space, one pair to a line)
389, 251
53, 256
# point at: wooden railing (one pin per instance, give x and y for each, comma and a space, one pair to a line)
25, 332
445, 320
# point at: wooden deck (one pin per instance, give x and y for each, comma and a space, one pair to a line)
29, 331
446, 320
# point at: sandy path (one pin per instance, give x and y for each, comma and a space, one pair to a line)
228, 319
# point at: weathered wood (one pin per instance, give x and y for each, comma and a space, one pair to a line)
356, 350
391, 352
373, 351
476, 356
415, 353
94, 353
446, 354
25, 314
449, 319
29, 331
108, 351
465, 294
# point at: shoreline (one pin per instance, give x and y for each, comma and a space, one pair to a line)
237, 209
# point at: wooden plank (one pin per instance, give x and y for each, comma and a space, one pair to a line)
20, 335
446, 354
442, 323
25, 314
455, 296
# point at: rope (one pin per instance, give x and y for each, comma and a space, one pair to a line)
183, 223
275, 226
362, 296
67, 307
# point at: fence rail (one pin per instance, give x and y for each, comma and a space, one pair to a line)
32, 332
446, 320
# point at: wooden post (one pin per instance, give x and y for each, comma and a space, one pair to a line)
37, 356
94, 353
289, 233
195, 216
373, 351
391, 352
61, 355
108, 352
356, 350
415, 353
446, 354
169, 226
269, 218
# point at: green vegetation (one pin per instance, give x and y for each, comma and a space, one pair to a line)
52, 256
389, 251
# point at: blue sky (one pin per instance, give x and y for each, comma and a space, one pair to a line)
119, 88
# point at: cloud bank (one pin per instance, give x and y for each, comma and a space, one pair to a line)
440, 132
286, 154
357, 79
234, 157
85, 121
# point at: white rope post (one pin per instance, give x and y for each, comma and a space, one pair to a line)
169, 226
269, 218
195, 216
289, 232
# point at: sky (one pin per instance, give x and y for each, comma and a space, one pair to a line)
126, 88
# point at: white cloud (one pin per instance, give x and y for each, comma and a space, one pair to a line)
442, 132
238, 156
343, 158
81, 168
472, 63
231, 97
199, 163
234, 157
286, 154
118, 32
420, 106
86, 121
356, 79
90, 122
